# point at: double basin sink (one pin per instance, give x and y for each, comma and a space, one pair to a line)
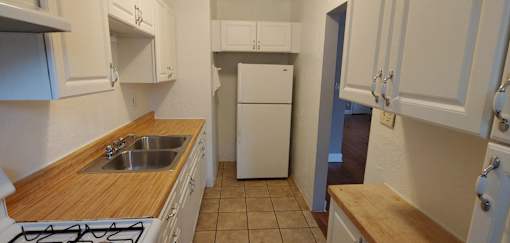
140, 154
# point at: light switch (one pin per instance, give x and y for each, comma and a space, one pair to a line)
388, 119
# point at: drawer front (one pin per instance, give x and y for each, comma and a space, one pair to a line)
340, 228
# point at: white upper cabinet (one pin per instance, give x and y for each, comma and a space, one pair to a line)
124, 10
57, 65
81, 58
274, 36
165, 42
363, 46
441, 60
147, 12
238, 36
251, 36
138, 14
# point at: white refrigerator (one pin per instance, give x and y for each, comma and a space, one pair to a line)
264, 107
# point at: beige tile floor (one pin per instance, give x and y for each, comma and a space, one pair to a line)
255, 211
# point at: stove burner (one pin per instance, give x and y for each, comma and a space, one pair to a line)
75, 234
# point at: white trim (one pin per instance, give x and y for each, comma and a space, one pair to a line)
335, 157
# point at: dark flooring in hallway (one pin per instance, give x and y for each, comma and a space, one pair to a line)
354, 151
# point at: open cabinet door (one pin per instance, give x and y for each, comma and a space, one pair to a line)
489, 225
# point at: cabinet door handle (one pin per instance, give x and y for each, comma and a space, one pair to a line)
498, 103
376, 77
384, 88
114, 75
481, 184
137, 15
172, 213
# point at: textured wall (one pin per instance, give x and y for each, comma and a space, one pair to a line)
36, 133
432, 167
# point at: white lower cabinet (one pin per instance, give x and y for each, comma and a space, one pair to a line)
180, 214
340, 228
490, 215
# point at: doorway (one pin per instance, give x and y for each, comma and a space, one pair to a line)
344, 127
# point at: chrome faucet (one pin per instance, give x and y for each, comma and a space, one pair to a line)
112, 149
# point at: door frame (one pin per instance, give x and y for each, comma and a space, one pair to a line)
335, 22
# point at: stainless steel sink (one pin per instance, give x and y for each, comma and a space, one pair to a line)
141, 154
143, 160
158, 142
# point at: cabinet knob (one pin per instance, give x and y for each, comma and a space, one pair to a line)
373, 86
498, 104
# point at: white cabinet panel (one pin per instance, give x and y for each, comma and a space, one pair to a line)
489, 226
165, 43
362, 50
500, 128
123, 10
238, 35
340, 228
274, 36
81, 58
147, 12
446, 57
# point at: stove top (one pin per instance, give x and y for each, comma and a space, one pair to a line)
76, 232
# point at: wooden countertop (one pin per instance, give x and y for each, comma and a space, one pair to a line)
60, 192
382, 216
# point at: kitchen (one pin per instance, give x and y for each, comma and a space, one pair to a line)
431, 159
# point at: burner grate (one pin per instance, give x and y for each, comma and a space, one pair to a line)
87, 234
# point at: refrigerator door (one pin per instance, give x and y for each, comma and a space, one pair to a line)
489, 225
263, 137
263, 83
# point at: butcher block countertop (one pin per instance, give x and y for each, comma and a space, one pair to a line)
60, 192
382, 216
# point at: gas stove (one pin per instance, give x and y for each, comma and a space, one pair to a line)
100, 231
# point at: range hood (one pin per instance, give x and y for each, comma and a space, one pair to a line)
22, 20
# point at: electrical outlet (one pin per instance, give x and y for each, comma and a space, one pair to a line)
388, 119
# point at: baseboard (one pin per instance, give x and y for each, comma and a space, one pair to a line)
335, 158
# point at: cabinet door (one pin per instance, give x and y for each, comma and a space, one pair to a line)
500, 131
340, 228
489, 226
274, 36
172, 43
238, 36
162, 42
123, 10
147, 13
80, 60
446, 57
362, 52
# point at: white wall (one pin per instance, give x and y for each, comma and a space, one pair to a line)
190, 96
434, 168
36, 133
307, 93
270, 10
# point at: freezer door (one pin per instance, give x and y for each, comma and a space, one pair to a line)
263, 83
491, 226
263, 138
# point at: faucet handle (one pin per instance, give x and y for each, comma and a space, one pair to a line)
109, 151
